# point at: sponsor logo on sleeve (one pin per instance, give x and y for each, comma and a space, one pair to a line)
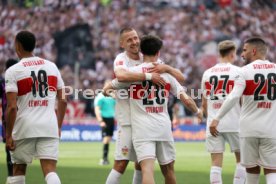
118, 63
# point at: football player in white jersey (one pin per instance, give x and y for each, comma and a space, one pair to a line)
130, 42
150, 121
256, 83
216, 84
33, 127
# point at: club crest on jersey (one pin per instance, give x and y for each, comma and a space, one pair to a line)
125, 150
119, 63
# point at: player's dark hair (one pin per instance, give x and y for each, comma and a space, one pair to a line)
10, 62
255, 40
226, 47
259, 43
150, 45
27, 40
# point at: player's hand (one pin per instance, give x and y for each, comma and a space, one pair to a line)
158, 68
200, 116
102, 124
112, 94
213, 128
105, 93
59, 132
107, 89
108, 92
10, 143
158, 80
175, 122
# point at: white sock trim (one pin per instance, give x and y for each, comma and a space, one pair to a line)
137, 177
17, 180
116, 173
49, 175
216, 169
239, 165
113, 177
240, 174
252, 178
270, 178
215, 175
138, 171
52, 177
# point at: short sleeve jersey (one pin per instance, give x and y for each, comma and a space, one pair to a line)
122, 109
217, 82
36, 81
259, 99
106, 105
148, 102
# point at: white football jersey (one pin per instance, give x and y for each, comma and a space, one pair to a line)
148, 103
258, 117
36, 81
217, 82
122, 109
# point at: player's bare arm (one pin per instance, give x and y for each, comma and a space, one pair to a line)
232, 98
163, 68
175, 120
11, 116
204, 106
126, 76
191, 105
62, 104
108, 89
99, 117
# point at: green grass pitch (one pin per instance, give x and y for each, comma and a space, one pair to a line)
78, 164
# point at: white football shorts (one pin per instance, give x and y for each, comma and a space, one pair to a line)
164, 151
258, 152
41, 148
124, 148
217, 144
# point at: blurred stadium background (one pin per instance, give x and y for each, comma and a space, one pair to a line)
81, 37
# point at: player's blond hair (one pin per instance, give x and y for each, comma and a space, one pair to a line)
226, 47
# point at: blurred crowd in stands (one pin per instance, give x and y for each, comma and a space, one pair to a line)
190, 30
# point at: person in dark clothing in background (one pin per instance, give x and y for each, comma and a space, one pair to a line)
9, 63
173, 110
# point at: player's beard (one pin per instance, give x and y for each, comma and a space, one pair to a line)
247, 60
134, 49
